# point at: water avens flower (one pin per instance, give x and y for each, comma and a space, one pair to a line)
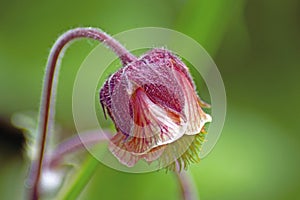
156, 111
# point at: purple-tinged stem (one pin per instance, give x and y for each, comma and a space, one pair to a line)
186, 183
187, 186
71, 145
74, 144
49, 91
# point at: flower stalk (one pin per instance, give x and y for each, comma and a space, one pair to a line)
74, 144
47, 106
187, 186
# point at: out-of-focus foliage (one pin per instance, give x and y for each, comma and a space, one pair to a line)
255, 44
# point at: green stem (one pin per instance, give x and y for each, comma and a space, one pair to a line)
80, 180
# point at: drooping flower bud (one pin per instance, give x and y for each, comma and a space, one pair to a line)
155, 108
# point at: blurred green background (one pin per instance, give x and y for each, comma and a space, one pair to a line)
255, 44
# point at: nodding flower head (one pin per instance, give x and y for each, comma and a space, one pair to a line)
156, 111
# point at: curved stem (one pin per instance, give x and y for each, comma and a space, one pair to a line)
74, 144
49, 90
187, 186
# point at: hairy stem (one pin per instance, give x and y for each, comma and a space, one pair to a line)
49, 88
187, 186
74, 144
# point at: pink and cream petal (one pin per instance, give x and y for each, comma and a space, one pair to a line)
196, 117
118, 149
154, 154
153, 125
